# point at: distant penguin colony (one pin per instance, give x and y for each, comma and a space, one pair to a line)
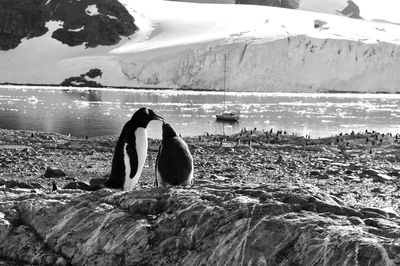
131, 151
174, 163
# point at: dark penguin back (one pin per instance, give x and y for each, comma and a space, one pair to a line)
174, 161
117, 177
168, 132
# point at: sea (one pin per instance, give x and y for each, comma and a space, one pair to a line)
97, 112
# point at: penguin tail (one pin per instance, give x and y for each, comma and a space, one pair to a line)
110, 184
96, 187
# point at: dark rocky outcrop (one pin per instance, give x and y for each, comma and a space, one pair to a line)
351, 10
319, 23
206, 224
94, 73
84, 80
20, 19
293, 4
27, 19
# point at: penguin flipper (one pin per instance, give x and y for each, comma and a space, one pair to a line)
133, 159
115, 180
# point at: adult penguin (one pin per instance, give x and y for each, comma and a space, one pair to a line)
174, 163
131, 151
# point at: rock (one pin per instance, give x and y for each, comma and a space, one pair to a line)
395, 174
94, 73
15, 184
80, 82
377, 176
95, 182
351, 10
340, 164
324, 160
77, 185
219, 178
379, 212
279, 160
207, 224
54, 172
276, 3
351, 178
36, 185
319, 175
319, 23
376, 190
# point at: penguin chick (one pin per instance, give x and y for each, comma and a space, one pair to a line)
174, 163
131, 151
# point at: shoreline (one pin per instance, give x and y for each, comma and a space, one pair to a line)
127, 88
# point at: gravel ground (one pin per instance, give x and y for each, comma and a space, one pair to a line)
357, 169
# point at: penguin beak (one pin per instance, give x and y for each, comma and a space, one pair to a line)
157, 117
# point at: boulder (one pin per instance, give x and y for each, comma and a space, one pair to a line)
54, 172
377, 176
15, 184
77, 185
319, 23
98, 182
208, 224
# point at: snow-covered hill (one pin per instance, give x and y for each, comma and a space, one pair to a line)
373, 10
383, 10
182, 45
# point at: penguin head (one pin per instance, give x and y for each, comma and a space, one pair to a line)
143, 116
167, 131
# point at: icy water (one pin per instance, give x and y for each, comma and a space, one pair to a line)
104, 112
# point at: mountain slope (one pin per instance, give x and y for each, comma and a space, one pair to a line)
383, 10
86, 22
266, 51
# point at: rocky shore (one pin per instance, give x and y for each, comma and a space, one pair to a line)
260, 198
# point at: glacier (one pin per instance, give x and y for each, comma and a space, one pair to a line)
293, 64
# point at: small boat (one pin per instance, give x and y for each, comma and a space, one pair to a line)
228, 116
225, 115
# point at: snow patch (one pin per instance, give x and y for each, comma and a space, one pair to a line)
92, 10
145, 24
112, 17
187, 26
78, 29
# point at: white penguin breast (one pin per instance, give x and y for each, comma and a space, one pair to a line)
141, 150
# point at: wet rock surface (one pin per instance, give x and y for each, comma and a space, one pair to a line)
208, 224
282, 200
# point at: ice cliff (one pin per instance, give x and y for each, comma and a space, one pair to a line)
300, 63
